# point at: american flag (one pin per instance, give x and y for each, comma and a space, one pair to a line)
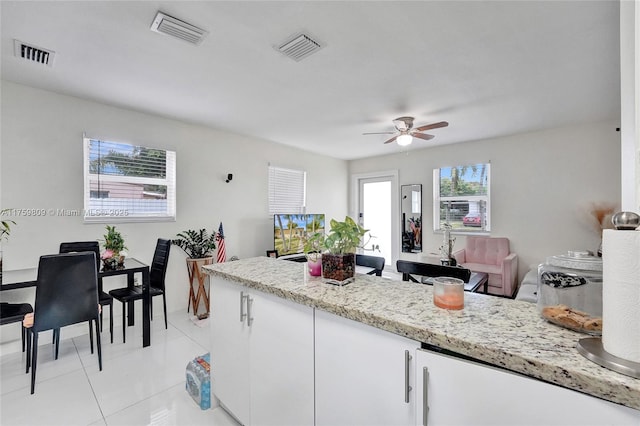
222, 250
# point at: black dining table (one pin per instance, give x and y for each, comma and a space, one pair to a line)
25, 278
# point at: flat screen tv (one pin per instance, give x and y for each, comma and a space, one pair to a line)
290, 230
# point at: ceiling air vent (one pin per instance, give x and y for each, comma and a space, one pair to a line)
299, 47
169, 25
33, 53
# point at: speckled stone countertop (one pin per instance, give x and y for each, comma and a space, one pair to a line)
504, 332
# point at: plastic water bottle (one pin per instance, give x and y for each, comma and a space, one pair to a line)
198, 383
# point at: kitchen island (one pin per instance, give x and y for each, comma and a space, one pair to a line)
501, 332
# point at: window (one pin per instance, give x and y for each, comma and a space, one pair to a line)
461, 198
287, 190
128, 183
416, 201
99, 194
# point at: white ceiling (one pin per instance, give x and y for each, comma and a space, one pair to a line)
489, 68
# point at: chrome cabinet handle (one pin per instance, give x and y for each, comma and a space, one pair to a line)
242, 297
425, 396
249, 316
407, 387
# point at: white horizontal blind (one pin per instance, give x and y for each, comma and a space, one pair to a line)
461, 198
128, 183
287, 190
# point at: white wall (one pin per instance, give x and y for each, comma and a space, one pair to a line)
41, 167
630, 103
542, 185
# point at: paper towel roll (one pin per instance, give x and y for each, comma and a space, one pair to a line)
621, 294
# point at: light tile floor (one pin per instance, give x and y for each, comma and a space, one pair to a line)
137, 386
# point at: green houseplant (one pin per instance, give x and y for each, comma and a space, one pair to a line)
114, 248
196, 244
5, 231
5, 226
199, 246
339, 261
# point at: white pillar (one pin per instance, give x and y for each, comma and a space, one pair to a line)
630, 103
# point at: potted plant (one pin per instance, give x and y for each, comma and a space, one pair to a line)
5, 231
199, 246
313, 252
446, 249
114, 248
339, 262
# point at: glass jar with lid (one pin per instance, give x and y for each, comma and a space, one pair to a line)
570, 291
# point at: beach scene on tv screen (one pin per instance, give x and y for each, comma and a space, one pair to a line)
290, 231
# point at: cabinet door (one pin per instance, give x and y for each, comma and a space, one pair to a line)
281, 348
230, 378
461, 392
360, 374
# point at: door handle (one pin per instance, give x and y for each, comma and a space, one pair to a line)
425, 396
243, 315
407, 387
249, 316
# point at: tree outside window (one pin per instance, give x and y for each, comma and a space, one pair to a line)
125, 182
461, 198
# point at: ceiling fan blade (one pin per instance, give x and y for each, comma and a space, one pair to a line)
432, 126
379, 133
424, 136
392, 139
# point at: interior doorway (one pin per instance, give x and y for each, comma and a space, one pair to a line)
374, 204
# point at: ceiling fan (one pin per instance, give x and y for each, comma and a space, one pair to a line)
404, 125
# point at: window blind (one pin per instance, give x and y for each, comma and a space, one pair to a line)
287, 190
125, 182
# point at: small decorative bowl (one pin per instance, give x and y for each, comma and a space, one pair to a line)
626, 221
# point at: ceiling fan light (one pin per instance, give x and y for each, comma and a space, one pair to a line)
404, 140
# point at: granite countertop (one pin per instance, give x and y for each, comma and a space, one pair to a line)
503, 332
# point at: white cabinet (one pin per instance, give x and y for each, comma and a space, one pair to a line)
461, 392
363, 374
275, 362
230, 372
262, 356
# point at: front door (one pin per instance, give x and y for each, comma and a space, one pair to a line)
376, 194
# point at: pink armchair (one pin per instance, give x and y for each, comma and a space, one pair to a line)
492, 256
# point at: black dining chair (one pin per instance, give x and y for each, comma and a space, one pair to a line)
105, 299
66, 294
157, 276
375, 262
409, 268
14, 312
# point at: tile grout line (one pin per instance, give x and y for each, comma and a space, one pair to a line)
86, 374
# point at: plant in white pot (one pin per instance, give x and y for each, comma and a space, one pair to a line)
339, 260
199, 246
